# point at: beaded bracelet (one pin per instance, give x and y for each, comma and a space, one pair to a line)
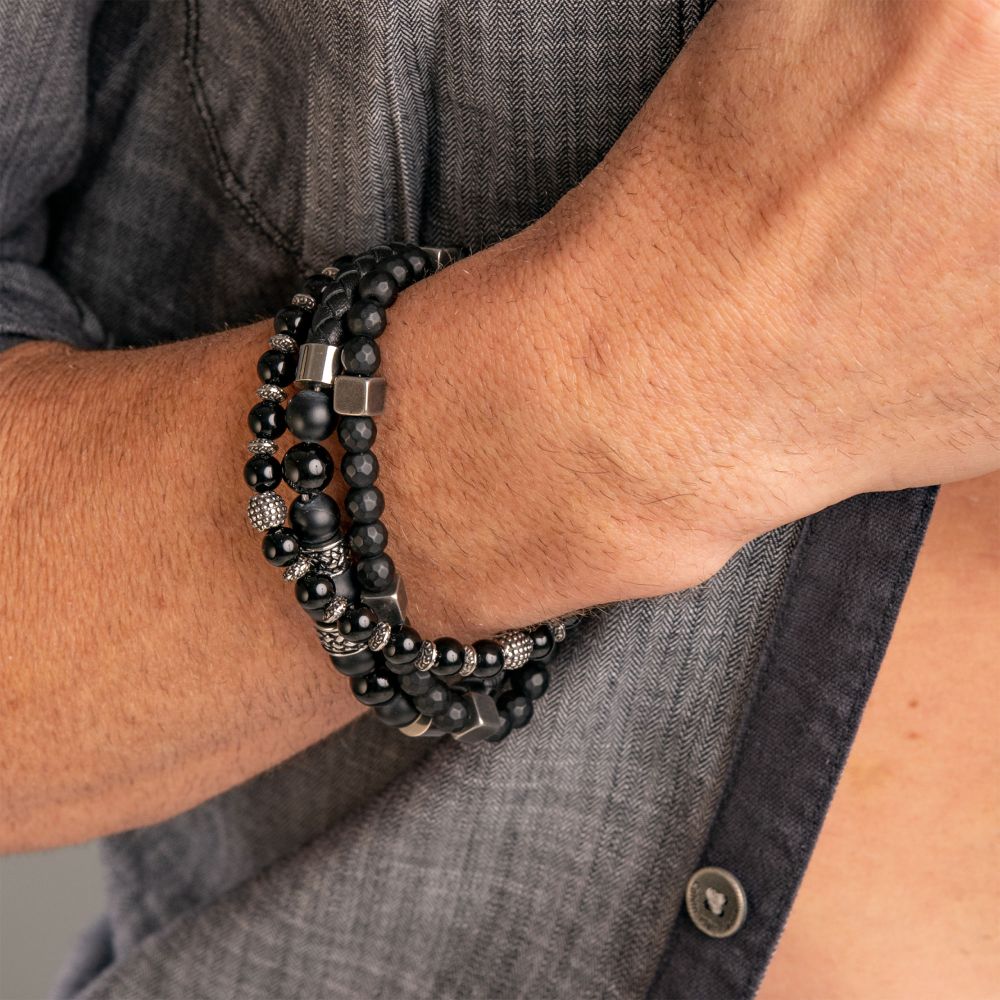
326, 343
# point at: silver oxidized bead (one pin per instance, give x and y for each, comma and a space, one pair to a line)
261, 446
283, 342
334, 611
303, 301
468, 663
333, 642
330, 272
516, 646
266, 510
297, 569
380, 637
330, 559
428, 655
271, 393
558, 628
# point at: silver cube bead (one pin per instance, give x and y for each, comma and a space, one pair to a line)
389, 605
485, 721
266, 510
516, 646
358, 396
318, 364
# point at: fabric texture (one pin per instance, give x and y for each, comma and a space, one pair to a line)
168, 169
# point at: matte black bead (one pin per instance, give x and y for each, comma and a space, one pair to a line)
360, 356
356, 433
367, 540
280, 546
310, 415
315, 518
503, 732
358, 623
359, 468
399, 270
379, 286
364, 504
356, 664
262, 473
277, 367
308, 468
451, 656
417, 682
417, 262
489, 658
374, 688
543, 642
314, 590
318, 284
402, 650
398, 711
376, 573
267, 420
531, 680
454, 717
365, 319
518, 706
327, 323
292, 321
434, 701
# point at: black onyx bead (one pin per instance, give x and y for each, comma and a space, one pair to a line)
315, 518
327, 325
376, 574
365, 319
358, 623
398, 269
374, 688
318, 284
416, 261
489, 658
434, 700
356, 664
379, 286
531, 680
262, 473
293, 322
308, 468
310, 415
276, 368
364, 504
314, 591
397, 711
360, 356
518, 706
402, 650
359, 468
367, 540
417, 682
280, 546
451, 654
503, 732
543, 642
454, 717
356, 433
267, 420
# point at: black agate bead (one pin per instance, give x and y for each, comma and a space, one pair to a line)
292, 322
315, 518
543, 643
489, 658
310, 415
374, 688
280, 546
402, 650
314, 591
267, 420
397, 711
276, 368
451, 655
262, 473
358, 623
308, 468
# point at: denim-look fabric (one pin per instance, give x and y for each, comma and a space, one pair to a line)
167, 168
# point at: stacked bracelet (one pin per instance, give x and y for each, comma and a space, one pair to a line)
326, 342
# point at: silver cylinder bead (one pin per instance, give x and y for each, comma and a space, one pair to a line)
329, 559
318, 364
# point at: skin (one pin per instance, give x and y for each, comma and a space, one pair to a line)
800, 305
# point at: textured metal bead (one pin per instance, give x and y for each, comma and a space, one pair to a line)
422, 725
558, 629
261, 446
331, 559
333, 642
266, 510
330, 272
334, 611
271, 393
469, 663
428, 656
283, 342
516, 646
297, 569
380, 637
303, 301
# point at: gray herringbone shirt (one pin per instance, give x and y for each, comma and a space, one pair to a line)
167, 168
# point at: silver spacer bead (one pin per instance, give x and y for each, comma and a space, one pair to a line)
334, 611
469, 663
266, 510
333, 642
380, 637
261, 446
558, 628
298, 569
330, 272
282, 342
516, 646
271, 393
303, 301
331, 559
428, 656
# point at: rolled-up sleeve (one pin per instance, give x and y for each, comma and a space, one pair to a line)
43, 120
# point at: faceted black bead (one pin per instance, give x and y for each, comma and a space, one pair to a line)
416, 261
376, 574
266, 420
359, 468
368, 540
417, 682
357, 623
292, 321
543, 642
451, 655
503, 732
356, 664
308, 468
310, 415
379, 286
364, 504
489, 658
327, 323
374, 688
398, 711
314, 590
531, 680
402, 650
365, 319
315, 519
318, 284
280, 546
434, 700
454, 717
262, 472
356, 433
276, 367
399, 270
518, 706
360, 356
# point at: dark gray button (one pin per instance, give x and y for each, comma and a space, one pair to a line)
716, 902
